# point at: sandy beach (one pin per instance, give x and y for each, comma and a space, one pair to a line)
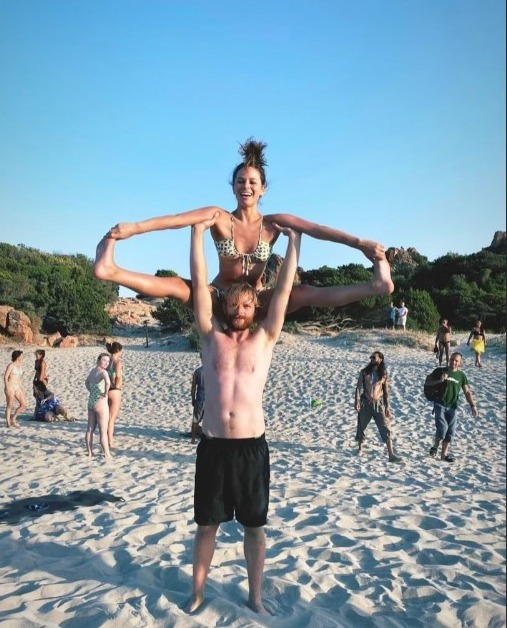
351, 541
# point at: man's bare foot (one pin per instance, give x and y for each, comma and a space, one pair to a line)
104, 266
195, 602
257, 606
382, 282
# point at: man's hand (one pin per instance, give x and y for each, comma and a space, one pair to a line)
372, 250
122, 231
288, 231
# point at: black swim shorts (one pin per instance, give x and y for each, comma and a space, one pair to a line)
232, 480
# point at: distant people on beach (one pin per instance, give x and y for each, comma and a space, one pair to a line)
244, 240
401, 316
391, 316
115, 372
197, 396
14, 390
445, 408
98, 383
372, 402
477, 341
232, 466
47, 407
443, 342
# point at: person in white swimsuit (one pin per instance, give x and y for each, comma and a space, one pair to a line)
244, 240
14, 391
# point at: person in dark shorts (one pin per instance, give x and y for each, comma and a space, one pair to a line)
232, 468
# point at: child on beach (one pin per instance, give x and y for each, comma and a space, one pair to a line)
98, 384
244, 240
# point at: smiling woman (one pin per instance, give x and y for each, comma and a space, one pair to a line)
244, 239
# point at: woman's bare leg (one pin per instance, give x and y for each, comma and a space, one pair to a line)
105, 268
20, 398
114, 401
335, 296
90, 428
102, 414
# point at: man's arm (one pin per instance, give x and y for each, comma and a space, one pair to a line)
385, 394
201, 295
275, 316
470, 399
359, 389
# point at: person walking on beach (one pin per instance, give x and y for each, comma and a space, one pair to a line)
477, 342
98, 383
402, 313
115, 372
372, 402
13, 388
443, 341
197, 395
232, 467
445, 408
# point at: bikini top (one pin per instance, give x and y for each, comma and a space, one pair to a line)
227, 248
17, 370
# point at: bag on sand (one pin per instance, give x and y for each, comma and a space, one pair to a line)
435, 392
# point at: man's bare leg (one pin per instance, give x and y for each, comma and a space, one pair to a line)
254, 546
105, 268
204, 548
335, 296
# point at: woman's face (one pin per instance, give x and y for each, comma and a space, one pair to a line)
104, 362
248, 187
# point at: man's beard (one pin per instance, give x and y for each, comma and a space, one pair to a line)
239, 323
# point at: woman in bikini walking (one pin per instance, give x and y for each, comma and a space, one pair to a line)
244, 240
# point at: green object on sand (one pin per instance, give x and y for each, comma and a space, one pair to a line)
316, 403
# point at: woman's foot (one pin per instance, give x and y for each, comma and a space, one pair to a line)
104, 266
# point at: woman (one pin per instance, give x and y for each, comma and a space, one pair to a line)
244, 240
14, 391
40, 367
98, 384
443, 342
115, 372
48, 406
477, 342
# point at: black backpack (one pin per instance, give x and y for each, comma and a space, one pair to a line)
434, 393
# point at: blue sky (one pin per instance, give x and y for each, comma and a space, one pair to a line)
383, 118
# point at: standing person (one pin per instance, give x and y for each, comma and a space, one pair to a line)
98, 383
13, 388
244, 240
232, 467
402, 316
391, 316
478, 341
115, 372
40, 367
445, 408
443, 341
197, 395
372, 402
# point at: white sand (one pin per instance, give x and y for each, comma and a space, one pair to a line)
351, 541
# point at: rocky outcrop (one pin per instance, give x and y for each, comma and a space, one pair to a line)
499, 241
131, 312
18, 326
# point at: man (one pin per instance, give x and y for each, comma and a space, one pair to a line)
372, 401
402, 316
232, 467
445, 408
391, 316
443, 342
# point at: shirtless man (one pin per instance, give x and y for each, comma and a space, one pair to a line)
232, 468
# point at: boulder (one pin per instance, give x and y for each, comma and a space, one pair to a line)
68, 342
53, 340
4, 311
19, 326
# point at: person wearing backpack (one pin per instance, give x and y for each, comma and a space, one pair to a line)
447, 402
